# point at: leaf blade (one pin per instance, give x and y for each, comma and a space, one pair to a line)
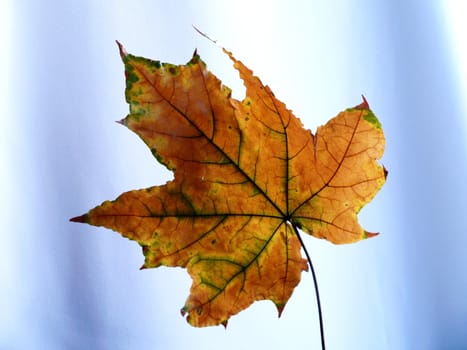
244, 172
348, 147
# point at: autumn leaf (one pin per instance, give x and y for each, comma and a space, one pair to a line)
246, 176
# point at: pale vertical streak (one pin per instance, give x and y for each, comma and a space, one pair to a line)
8, 272
454, 12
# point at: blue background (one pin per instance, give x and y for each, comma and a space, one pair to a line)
70, 286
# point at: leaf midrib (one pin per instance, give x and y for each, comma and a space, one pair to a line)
282, 215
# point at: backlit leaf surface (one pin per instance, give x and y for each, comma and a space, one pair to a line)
246, 173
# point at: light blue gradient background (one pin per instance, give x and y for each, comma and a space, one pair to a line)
71, 286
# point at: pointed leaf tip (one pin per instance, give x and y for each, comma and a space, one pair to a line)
224, 323
279, 310
363, 105
122, 50
82, 219
143, 267
370, 234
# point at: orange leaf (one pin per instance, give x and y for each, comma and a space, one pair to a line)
245, 174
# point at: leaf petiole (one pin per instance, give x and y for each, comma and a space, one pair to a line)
315, 282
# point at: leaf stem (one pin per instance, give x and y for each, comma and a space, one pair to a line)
315, 282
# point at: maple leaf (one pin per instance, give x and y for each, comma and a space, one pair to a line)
246, 176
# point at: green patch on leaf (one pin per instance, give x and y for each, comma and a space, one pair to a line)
131, 76
371, 118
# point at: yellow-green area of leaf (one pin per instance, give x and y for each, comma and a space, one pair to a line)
247, 174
